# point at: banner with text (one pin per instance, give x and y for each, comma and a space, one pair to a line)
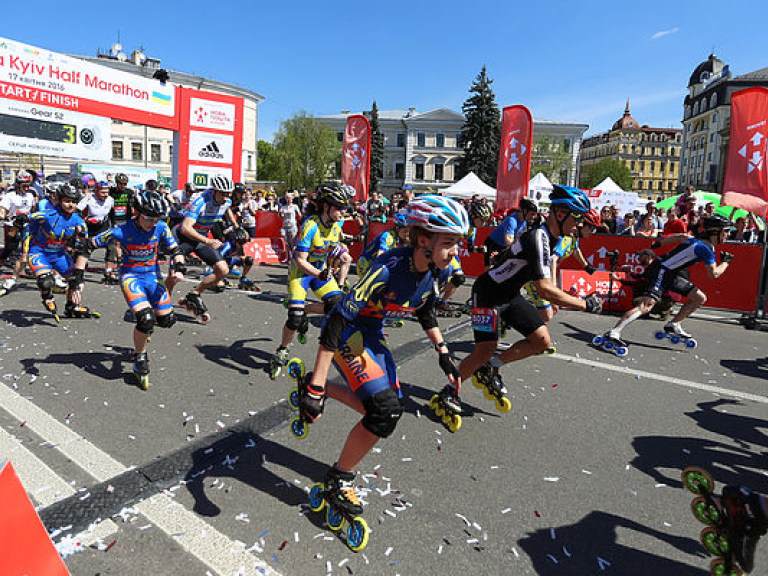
746, 176
356, 156
514, 170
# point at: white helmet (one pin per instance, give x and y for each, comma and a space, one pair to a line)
222, 183
437, 214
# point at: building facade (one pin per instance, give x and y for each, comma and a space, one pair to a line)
651, 154
422, 149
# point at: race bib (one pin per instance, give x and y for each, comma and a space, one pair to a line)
485, 319
120, 211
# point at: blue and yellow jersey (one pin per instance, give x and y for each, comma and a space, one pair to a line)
470, 236
206, 212
566, 246
316, 240
50, 231
139, 246
384, 242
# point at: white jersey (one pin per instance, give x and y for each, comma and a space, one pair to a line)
15, 203
180, 202
97, 211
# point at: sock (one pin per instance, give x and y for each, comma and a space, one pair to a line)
616, 332
496, 362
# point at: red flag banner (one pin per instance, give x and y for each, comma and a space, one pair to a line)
514, 169
356, 156
746, 177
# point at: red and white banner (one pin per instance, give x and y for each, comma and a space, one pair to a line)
356, 156
266, 250
514, 171
614, 295
746, 176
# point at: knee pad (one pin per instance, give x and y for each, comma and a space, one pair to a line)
382, 413
46, 283
296, 317
111, 252
145, 321
458, 279
331, 302
248, 261
167, 320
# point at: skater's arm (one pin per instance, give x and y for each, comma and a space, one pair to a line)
322, 366
670, 240
714, 271
303, 263
188, 230
548, 291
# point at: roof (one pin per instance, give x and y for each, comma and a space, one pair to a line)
710, 66
626, 122
756, 75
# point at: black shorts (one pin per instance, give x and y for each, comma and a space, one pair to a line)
488, 315
490, 247
661, 280
206, 253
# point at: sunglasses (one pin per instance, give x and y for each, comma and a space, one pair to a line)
576, 215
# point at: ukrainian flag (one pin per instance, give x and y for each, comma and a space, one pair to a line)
161, 98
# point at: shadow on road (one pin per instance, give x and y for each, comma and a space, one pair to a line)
592, 546
237, 356
27, 318
757, 368
107, 364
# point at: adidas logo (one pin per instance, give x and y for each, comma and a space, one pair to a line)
211, 151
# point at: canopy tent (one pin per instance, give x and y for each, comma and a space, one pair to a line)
468, 187
539, 187
608, 185
703, 198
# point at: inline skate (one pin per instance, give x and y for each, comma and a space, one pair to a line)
194, 303
488, 378
337, 495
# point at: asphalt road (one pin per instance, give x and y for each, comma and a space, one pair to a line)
200, 474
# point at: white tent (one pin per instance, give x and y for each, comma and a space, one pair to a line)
608, 185
468, 187
539, 187
608, 193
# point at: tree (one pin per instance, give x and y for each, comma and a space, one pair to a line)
619, 172
377, 148
550, 157
481, 132
306, 152
266, 162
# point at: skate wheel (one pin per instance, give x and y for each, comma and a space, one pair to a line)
296, 369
334, 519
621, 351
433, 402
293, 399
697, 480
691, 343
440, 411
675, 339
302, 338
95, 314
143, 381
659, 335
717, 568
597, 340
476, 383
489, 395
550, 350
608, 345
503, 404
299, 428
205, 317
715, 543
455, 423
357, 534
704, 511
316, 500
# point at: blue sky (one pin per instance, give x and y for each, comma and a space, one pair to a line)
565, 60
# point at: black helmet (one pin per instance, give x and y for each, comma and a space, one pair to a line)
150, 184
121, 178
151, 203
67, 191
332, 194
713, 223
23, 177
189, 188
528, 204
237, 236
240, 188
480, 210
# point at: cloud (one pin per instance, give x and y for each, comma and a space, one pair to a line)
662, 33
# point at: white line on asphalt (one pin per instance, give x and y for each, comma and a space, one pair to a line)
662, 378
196, 536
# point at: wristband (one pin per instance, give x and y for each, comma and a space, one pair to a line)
439, 345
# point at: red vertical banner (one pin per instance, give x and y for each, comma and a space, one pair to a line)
514, 169
356, 156
746, 177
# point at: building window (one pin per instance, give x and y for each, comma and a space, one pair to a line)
137, 151
170, 152
660, 186
458, 140
653, 166
339, 136
439, 172
399, 171
421, 139
154, 151
632, 165
419, 171
117, 150
440, 140
642, 166
401, 140
250, 162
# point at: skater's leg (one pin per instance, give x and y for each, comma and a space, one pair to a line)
696, 298
646, 305
359, 442
536, 342
220, 270
145, 322
342, 393
481, 353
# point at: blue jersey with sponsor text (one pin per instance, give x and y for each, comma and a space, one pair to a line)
139, 246
51, 230
206, 212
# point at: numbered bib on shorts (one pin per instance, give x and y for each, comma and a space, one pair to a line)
485, 319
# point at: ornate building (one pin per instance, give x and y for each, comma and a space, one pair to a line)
651, 154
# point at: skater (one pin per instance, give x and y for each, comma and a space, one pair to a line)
17, 205
510, 228
406, 281
51, 233
140, 277
319, 237
204, 213
496, 299
664, 274
396, 237
95, 209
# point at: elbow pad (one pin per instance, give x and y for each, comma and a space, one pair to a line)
427, 316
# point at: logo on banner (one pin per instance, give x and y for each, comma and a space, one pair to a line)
211, 151
514, 152
212, 114
754, 150
356, 154
200, 180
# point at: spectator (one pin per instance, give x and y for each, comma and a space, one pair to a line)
629, 227
270, 204
674, 225
647, 228
684, 198
248, 211
742, 233
650, 213
291, 214
407, 196
259, 200
609, 221
709, 209
692, 222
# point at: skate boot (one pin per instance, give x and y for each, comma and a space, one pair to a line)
610, 342
301, 333
7, 286
488, 378
141, 369
50, 305
446, 404
60, 285
337, 495
390, 322
277, 362
194, 303
248, 285
72, 310
676, 335
110, 277
445, 310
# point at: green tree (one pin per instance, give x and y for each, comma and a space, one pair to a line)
377, 148
306, 152
481, 132
550, 156
619, 172
266, 162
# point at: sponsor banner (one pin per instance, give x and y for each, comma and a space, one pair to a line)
614, 295
266, 250
210, 147
514, 169
626, 201
211, 114
32, 129
42, 77
746, 176
200, 176
27, 549
356, 156
136, 176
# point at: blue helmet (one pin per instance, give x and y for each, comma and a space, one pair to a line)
400, 219
437, 214
570, 198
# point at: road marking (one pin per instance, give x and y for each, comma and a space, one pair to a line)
662, 378
211, 547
